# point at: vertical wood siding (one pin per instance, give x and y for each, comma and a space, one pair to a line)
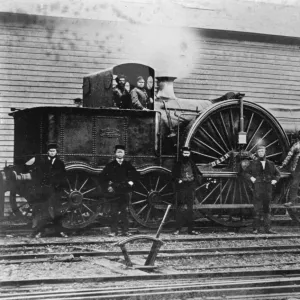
44, 59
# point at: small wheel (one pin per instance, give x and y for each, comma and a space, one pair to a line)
80, 199
151, 196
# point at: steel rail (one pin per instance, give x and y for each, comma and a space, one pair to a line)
166, 239
170, 253
245, 285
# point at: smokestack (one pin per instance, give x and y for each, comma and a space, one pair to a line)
166, 87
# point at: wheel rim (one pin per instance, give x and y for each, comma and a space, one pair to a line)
20, 206
79, 200
150, 197
223, 195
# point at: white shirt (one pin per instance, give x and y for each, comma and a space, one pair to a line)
263, 162
119, 161
52, 160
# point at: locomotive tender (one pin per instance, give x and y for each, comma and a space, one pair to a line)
222, 135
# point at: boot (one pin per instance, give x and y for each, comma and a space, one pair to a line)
267, 224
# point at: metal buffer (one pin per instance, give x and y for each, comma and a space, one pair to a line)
157, 243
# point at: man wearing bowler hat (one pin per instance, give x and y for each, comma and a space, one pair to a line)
262, 175
49, 178
118, 177
186, 177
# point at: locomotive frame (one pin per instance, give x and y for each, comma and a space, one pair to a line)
222, 137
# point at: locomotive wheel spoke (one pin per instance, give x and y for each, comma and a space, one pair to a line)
205, 155
68, 181
207, 146
87, 208
156, 186
261, 139
168, 194
143, 186
138, 193
83, 184
274, 154
215, 142
89, 191
138, 202
90, 199
254, 134
219, 134
142, 209
76, 180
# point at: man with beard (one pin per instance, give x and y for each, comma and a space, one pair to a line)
121, 95
293, 156
49, 179
186, 177
262, 174
119, 176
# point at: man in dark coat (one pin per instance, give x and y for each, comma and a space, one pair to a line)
262, 174
119, 176
186, 177
49, 178
122, 98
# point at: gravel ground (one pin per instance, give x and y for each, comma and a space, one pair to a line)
92, 266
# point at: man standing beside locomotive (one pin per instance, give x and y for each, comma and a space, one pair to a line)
49, 176
119, 176
263, 174
186, 176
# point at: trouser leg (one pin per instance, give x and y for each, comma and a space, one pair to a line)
267, 222
123, 212
190, 219
293, 193
256, 215
180, 218
114, 217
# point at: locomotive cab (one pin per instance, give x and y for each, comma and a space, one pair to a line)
98, 87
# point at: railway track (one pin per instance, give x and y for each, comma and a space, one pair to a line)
236, 285
171, 278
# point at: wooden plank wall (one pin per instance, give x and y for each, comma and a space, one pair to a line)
43, 60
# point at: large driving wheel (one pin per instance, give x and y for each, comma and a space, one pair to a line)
224, 196
80, 199
151, 196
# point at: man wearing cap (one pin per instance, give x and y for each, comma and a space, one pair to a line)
263, 174
293, 157
118, 177
186, 177
121, 95
49, 175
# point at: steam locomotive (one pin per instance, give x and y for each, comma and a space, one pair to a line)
222, 134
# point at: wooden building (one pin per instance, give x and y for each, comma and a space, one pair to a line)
251, 47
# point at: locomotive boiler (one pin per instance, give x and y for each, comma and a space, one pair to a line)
222, 134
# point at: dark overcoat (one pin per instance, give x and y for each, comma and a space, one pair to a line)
176, 173
118, 175
266, 175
